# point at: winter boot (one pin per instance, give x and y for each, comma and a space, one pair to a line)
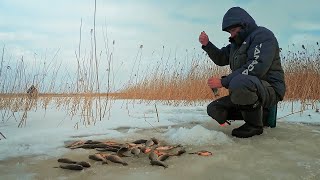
253, 123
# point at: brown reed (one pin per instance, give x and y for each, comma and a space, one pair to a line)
302, 76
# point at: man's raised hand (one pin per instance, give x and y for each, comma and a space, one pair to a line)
203, 38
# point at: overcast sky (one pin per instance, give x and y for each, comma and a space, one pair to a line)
42, 27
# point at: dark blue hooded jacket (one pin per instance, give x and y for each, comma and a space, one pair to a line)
255, 51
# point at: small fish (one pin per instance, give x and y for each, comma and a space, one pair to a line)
117, 146
71, 166
107, 149
140, 141
84, 164
66, 160
149, 143
135, 151
167, 148
139, 146
92, 142
145, 149
110, 143
116, 159
179, 152
202, 153
98, 157
156, 141
153, 156
164, 148
90, 146
104, 155
121, 152
159, 153
163, 157
131, 145
76, 143
158, 163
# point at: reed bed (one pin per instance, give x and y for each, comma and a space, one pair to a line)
302, 76
170, 81
184, 84
302, 72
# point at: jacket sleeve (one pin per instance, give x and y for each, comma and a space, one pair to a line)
219, 56
260, 56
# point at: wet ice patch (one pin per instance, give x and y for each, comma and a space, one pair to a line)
38, 142
133, 130
198, 135
315, 131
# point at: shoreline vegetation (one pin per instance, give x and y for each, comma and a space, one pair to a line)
302, 76
42, 95
169, 82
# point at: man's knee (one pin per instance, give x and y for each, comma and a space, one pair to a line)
211, 108
217, 113
243, 90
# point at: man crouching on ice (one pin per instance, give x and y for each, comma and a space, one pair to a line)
257, 78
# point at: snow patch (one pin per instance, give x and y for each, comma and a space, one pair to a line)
198, 135
133, 130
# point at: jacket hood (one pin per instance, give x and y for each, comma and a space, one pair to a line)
238, 16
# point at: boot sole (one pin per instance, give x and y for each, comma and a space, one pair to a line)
244, 134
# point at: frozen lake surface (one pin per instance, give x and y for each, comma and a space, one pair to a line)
289, 151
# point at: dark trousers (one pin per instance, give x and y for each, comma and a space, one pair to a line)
244, 92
